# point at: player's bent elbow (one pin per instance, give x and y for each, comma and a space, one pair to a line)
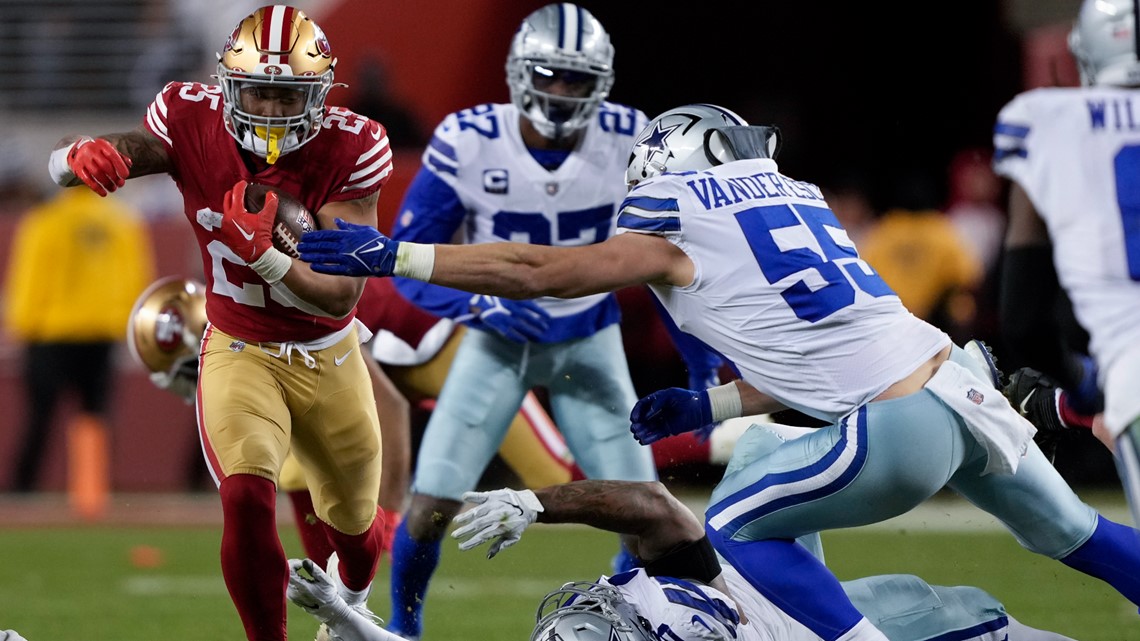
672, 515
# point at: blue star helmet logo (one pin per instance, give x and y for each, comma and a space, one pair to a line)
655, 141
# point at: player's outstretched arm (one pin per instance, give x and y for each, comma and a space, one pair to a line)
652, 519
105, 163
509, 270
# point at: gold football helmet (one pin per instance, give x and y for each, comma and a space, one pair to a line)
280, 48
165, 330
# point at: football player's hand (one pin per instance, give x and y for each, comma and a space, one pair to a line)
700, 380
349, 250
98, 164
311, 588
388, 532
248, 233
668, 412
181, 381
515, 320
501, 516
11, 635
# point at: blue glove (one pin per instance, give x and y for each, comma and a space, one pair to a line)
668, 412
349, 250
520, 321
703, 380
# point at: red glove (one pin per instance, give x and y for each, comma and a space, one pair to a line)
98, 164
249, 234
388, 530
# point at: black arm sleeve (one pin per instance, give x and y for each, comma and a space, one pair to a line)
1027, 299
694, 560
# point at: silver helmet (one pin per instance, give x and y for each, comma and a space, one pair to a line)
560, 41
696, 137
584, 611
1103, 41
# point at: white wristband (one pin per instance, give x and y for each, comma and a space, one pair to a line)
272, 265
59, 169
725, 403
415, 260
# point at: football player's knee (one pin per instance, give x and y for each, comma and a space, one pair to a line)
351, 516
428, 517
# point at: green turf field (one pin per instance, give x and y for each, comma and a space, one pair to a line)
81, 584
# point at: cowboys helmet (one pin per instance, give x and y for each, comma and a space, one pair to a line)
560, 41
165, 329
278, 47
696, 137
584, 611
1103, 41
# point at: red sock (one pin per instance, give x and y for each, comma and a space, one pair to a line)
312, 533
253, 561
358, 554
682, 449
387, 530
1070, 416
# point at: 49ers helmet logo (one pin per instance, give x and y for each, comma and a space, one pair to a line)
168, 328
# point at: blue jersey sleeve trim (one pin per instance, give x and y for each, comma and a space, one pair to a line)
443, 149
1006, 129
641, 223
649, 203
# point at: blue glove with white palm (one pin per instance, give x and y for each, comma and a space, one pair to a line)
349, 250
669, 412
519, 321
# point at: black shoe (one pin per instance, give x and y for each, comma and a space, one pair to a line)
1034, 396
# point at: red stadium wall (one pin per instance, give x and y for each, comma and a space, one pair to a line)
438, 56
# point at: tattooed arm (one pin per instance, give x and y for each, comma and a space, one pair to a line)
144, 149
653, 521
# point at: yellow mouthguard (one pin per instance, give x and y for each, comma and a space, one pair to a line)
271, 136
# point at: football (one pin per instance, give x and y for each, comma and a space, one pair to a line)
293, 219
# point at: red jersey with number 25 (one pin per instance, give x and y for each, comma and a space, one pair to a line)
349, 159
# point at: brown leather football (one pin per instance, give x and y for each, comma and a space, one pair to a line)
293, 219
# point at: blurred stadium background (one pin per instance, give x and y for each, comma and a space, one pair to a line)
884, 95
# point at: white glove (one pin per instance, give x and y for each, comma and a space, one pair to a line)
11, 635
501, 515
182, 380
318, 596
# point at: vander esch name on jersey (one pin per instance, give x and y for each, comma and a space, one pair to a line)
1115, 114
721, 192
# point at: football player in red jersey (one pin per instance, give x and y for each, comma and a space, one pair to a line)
280, 363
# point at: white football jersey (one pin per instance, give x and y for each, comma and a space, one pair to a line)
479, 153
686, 611
779, 288
1076, 153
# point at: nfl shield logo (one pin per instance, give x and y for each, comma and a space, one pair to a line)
551, 188
975, 396
237, 346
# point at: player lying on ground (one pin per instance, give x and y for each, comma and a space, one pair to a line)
682, 592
